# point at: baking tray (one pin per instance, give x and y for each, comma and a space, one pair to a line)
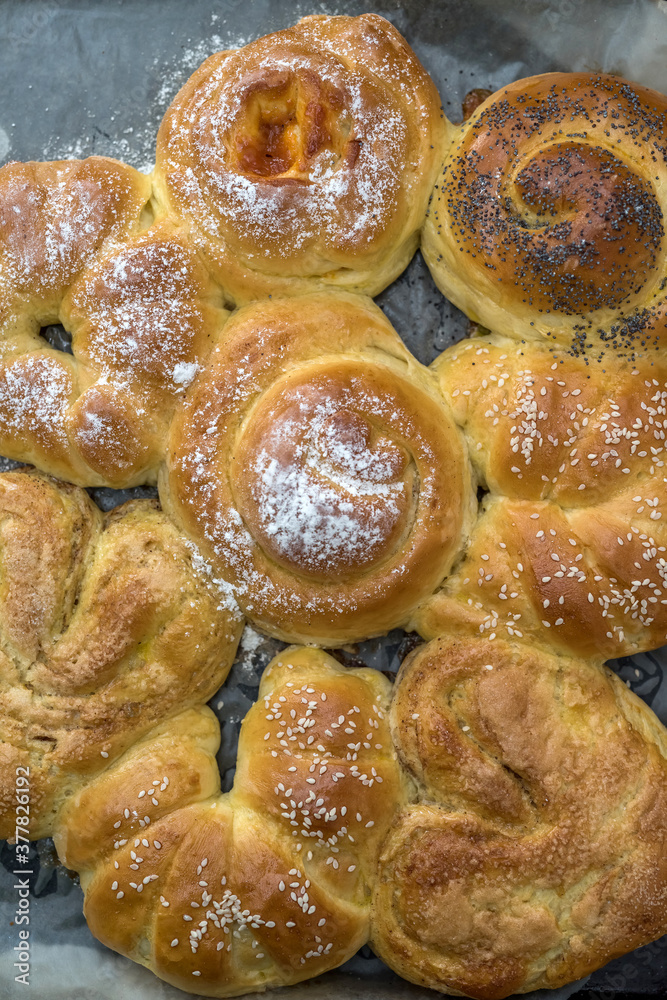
84, 77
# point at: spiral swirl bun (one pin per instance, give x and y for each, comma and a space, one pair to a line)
316, 463
305, 157
107, 625
549, 216
536, 849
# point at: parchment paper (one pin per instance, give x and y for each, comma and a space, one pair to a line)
84, 77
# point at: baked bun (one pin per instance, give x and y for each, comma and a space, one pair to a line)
318, 467
143, 316
538, 848
571, 544
548, 218
305, 158
107, 626
264, 886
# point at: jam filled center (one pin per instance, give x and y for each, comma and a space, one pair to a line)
293, 125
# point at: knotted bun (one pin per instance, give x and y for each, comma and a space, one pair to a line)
537, 850
319, 469
107, 625
548, 218
266, 885
304, 158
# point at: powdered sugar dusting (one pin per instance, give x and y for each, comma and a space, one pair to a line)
342, 206
335, 502
142, 316
54, 219
223, 590
312, 481
35, 392
184, 373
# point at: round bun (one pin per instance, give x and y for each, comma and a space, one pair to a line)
268, 884
304, 158
319, 469
537, 849
107, 626
548, 217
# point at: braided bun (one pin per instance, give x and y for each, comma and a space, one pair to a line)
106, 627
306, 157
571, 542
266, 885
548, 219
319, 469
538, 849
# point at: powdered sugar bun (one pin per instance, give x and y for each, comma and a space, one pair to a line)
548, 218
143, 319
305, 158
318, 466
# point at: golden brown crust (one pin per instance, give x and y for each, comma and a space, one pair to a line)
144, 320
318, 467
107, 625
264, 886
548, 218
537, 850
305, 158
544, 425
